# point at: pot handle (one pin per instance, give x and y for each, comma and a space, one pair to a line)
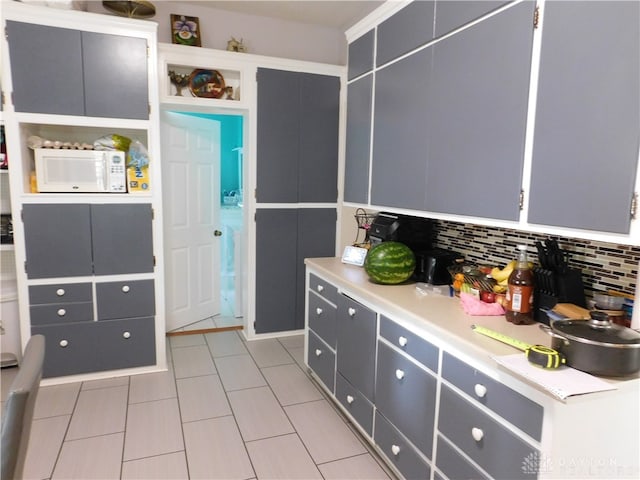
551, 333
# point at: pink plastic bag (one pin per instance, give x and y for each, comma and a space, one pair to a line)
473, 306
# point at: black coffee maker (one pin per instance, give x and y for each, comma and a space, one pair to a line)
417, 234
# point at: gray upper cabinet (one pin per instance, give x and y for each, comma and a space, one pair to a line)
451, 15
115, 76
319, 131
122, 239
400, 141
477, 112
66, 240
298, 115
406, 30
69, 72
57, 240
361, 55
586, 139
45, 60
358, 149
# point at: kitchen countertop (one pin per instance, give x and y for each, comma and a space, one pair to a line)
438, 318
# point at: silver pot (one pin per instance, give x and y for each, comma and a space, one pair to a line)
596, 346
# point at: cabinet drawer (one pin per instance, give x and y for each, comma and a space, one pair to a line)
410, 343
357, 404
60, 293
322, 319
509, 404
125, 299
61, 313
323, 288
97, 346
322, 360
454, 465
497, 450
126, 343
406, 395
400, 452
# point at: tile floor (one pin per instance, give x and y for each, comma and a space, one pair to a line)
226, 409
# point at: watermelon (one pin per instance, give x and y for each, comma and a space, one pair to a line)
390, 263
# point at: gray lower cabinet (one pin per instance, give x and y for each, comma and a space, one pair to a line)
322, 360
585, 148
358, 406
125, 299
70, 72
298, 118
60, 303
489, 443
356, 350
406, 396
87, 347
68, 240
284, 238
399, 451
455, 465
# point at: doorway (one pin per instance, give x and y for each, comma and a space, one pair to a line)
203, 171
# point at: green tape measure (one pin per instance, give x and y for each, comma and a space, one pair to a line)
540, 355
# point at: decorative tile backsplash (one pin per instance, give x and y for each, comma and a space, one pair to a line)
604, 266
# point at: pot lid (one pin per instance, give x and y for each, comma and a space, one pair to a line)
597, 332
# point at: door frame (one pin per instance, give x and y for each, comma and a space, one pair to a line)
248, 180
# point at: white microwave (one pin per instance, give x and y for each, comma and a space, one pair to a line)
63, 170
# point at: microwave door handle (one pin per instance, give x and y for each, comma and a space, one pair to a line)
105, 173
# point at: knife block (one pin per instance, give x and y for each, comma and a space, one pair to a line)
553, 287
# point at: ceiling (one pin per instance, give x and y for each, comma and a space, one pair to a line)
329, 13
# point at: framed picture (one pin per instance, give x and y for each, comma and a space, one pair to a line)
185, 30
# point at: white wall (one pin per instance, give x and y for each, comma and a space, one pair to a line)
261, 35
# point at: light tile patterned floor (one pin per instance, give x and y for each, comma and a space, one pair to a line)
226, 409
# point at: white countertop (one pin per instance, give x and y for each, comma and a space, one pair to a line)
437, 318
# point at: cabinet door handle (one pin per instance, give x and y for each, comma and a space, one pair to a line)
125, 288
399, 374
480, 390
62, 312
395, 449
60, 292
351, 311
320, 288
319, 311
318, 352
64, 343
126, 335
402, 341
350, 399
477, 434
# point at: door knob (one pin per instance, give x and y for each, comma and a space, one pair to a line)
217, 233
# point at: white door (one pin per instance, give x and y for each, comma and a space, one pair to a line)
191, 198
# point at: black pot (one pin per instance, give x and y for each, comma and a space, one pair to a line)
597, 346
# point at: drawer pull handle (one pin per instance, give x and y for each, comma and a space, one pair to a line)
399, 374
477, 434
320, 288
60, 292
125, 288
126, 335
64, 343
402, 341
350, 399
319, 311
480, 390
351, 311
395, 449
318, 352
62, 312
